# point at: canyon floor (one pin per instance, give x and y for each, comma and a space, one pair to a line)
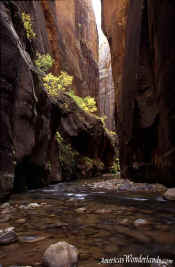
100, 222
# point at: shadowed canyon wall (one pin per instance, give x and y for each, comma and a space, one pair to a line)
146, 108
29, 118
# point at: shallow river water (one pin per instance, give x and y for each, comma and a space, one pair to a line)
101, 224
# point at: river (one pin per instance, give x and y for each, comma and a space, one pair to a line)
101, 224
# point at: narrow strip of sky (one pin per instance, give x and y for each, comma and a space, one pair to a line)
97, 10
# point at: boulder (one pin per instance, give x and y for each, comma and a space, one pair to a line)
82, 130
141, 222
170, 194
5, 205
61, 254
8, 237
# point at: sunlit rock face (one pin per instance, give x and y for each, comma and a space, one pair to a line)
106, 95
79, 47
78, 44
114, 20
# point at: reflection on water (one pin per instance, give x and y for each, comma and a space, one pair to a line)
100, 224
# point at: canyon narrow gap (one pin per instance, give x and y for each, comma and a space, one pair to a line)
87, 133
106, 95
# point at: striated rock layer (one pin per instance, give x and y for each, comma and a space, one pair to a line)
28, 117
106, 86
106, 94
114, 20
78, 44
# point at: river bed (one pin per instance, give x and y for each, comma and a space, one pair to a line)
101, 224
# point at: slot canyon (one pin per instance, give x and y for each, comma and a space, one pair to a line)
86, 133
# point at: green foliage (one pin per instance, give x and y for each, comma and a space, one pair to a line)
67, 157
90, 104
65, 149
116, 166
87, 103
88, 162
28, 25
91, 163
44, 62
112, 133
59, 138
73, 164
49, 166
55, 84
103, 118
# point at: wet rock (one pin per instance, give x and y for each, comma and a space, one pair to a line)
161, 199
124, 221
59, 224
5, 205
81, 210
103, 211
141, 222
21, 221
30, 206
61, 254
161, 237
33, 205
170, 194
5, 211
31, 239
160, 188
43, 204
23, 207
8, 237
5, 218
126, 187
9, 229
121, 185
140, 236
71, 199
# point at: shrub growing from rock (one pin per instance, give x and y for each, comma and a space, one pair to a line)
28, 25
56, 84
44, 62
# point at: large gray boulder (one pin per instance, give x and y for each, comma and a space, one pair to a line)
61, 254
